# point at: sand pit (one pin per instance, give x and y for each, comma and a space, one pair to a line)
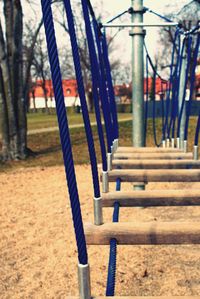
37, 247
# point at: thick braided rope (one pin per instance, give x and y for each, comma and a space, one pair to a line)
196, 139
110, 287
192, 84
189, 48
64, 130
175, 84
81, 91
168, 101
95, 80
103, 92
111, 93
177, 88
147, 100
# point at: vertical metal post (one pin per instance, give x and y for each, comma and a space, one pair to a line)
84, 281
137, 34
180, 98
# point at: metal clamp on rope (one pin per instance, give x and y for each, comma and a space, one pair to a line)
178, 142
173, 143
84, 281
98, 214
163, 143
195, 153
168, 142
105, 185
185, 146
131, 10
109, 160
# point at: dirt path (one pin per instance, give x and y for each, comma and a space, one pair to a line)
52, 129
37, 248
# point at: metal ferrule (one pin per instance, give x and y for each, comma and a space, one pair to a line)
105, 185
84, 281
109, 161
178, 142
139, 187
173, 143
98, 213
112, 149
195, 153
185, 146
168, 142
117, 143
163, 143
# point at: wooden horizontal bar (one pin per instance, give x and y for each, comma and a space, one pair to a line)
153, 156
138, 297
156, 164
151, 198
131, 149
154, 175
143, 233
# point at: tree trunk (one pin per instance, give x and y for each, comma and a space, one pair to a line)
34, 104
12, 148
4, 121
18, 80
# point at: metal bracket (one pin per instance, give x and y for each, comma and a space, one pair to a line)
185, 146
195, 153
84, 281
105, 185
173, 143
109, 160
98, 213
131, 10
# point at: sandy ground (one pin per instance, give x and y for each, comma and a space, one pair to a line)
38, 256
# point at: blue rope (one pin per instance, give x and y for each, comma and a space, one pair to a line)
81, 91
95, 79
158, 15
196, 140
117, 17
148, 59
168, 101
147, 99
64, 130
189, 47
192, 83
110, 289
175, 83
111, 93
158, 144
103, 92
177, 89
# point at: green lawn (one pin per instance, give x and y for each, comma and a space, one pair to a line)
48, 151
42, 120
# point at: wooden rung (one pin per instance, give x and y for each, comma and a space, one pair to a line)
154, 175
138, 297
143, 233
156, 164
152, 198
153, 156
127, 149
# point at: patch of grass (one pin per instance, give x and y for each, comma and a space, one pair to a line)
42, 120
48, 150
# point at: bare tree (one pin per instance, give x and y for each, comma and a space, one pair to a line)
83, 49
15, 66
188, 16
41, 68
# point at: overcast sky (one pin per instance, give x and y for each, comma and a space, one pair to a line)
109, 9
